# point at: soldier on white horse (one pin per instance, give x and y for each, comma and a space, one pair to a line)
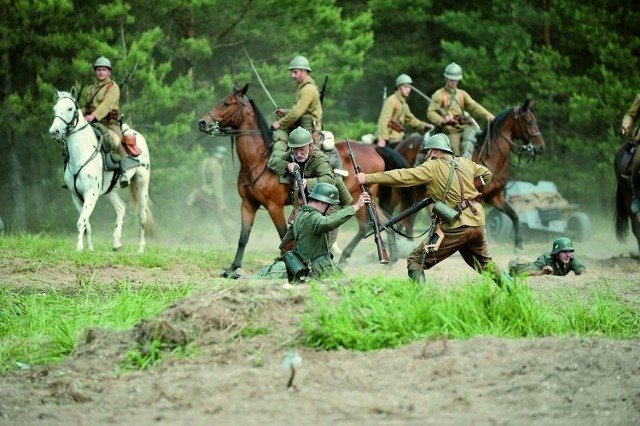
87, 175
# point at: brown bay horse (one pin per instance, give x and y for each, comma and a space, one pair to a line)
237, 116
623, 215
514, 130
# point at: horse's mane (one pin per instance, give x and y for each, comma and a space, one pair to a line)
265, 130
495, 124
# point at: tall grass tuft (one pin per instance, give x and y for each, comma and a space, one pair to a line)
45, 326
375, 313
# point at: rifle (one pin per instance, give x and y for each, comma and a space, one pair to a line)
458, 119
259, 79
324, 87
383, 257
298, 175
403, 214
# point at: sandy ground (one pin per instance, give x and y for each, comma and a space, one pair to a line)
238, 380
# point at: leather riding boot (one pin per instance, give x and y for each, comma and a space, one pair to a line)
416, 275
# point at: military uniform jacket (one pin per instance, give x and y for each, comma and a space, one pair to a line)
396, 107
630, 116
434, 174
316, 169
455, 102
559, 268
310, 228
102, 98
307, 102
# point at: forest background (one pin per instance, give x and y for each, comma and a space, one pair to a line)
578, 60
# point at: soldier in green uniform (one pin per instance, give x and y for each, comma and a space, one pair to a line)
306, 112
312, 226
448, 108
314, 168
560, 261
395, 114
102, 106
627, 123
451, 181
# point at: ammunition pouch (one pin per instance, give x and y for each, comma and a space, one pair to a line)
297, 269
444, 212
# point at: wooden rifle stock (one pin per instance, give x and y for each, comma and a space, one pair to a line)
383, 257
405, 213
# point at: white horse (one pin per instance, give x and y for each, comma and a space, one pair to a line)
86, 178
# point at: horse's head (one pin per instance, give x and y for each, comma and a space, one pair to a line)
528, 130
66, 114
228, 113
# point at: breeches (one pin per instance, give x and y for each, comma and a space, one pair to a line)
470, 241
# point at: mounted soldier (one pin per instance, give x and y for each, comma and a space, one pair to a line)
102, 110
306, 112
395, 114
449, 108
627, 124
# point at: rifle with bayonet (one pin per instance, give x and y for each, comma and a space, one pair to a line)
416, 207
298, 175
383, 257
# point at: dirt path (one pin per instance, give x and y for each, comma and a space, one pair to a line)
240, 380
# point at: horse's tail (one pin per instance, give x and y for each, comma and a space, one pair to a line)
621, 216
149, 225
393, 160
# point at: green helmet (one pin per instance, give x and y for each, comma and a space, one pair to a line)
561, 244
102, 62
220, 151
438, 141
299, 137
325, 192
453, 71
403, 79
299, 63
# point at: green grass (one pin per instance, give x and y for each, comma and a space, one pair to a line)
376, 313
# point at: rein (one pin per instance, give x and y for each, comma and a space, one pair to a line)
519, 149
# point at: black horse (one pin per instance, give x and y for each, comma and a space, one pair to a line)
623, 215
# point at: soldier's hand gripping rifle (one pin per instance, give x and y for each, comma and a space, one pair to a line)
298, 175
383, 257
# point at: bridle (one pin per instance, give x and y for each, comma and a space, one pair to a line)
228, 127
71, 127
526, 147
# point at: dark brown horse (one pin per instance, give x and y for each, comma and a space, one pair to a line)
623, 214
514, 130
237, 116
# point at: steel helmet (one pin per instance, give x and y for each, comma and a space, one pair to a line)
561, 244
299, 63
403, 79
438, 141
299, 137
102, 62
220, 151
453, 71
325, 192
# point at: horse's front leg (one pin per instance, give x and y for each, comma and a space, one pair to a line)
120, 208
84, 227
248, 215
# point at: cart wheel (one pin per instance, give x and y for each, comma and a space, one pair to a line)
499, 226
579, 226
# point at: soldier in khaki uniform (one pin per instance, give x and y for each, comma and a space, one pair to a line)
306, 111
102, 106
627, 123
395, 114
450, 180
448, 108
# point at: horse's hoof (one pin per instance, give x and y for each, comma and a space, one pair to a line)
116, 249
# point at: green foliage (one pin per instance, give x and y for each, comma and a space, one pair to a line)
378, 313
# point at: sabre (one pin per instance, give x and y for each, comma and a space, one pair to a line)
259, 79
